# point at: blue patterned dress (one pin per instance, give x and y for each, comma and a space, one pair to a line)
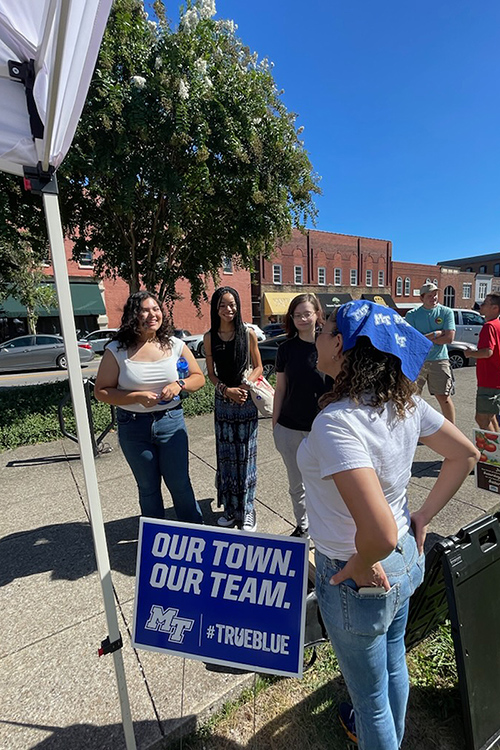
236, 447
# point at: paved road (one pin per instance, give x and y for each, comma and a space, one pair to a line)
89, 370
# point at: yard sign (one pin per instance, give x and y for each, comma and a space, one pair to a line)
222, 596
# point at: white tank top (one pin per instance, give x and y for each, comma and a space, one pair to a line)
147, 376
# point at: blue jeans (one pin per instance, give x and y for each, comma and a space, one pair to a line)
155, 446
367, 635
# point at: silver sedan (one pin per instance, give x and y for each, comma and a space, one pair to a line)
42, 351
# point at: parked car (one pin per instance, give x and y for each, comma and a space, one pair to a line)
98, 340
273, 329
42, 351
468, 325
268, 350
457, 356
181, 333
195, 343
261, 336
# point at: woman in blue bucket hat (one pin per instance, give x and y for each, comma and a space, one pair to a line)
369, 549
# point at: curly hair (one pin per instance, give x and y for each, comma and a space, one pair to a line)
290, 327
372, 377
129, 332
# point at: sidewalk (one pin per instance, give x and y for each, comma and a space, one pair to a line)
54, 692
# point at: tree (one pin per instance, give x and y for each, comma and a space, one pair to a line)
23, 237
185, 154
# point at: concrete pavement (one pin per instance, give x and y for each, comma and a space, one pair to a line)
54, 691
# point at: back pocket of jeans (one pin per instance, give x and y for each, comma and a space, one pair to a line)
369, 615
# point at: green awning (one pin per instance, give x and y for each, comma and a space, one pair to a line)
86, 299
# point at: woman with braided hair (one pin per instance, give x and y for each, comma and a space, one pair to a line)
231, 349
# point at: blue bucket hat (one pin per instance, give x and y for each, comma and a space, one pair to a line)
387, 331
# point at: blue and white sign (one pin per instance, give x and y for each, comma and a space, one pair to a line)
223, 596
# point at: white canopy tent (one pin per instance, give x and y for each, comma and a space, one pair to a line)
48, 50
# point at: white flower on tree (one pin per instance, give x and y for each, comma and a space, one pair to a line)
183, 89
200, 65
190, 20
138, 81
207, 9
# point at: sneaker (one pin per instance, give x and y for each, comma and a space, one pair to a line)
303, 533
250, 521
346, 716
226, 521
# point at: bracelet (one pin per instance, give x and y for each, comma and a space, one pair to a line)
221, 388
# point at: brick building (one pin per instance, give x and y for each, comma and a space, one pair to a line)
456, 286
99, 304
325, 263
486, 268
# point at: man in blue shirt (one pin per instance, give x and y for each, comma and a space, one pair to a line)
437, 323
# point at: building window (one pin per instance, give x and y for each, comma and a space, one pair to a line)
449, 296
337, 276
354, 277
407, 287
369, 277
482, 269
227, 264
482, 290
86, 259
399, 286
381, 278
469, 269
277, 274
496, 269
467, 291
298, 274
321, 276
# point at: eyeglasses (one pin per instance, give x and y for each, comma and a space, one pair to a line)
303, 316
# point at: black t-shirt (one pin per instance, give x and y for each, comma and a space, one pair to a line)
304, 383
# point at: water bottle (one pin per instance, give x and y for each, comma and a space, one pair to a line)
182, 372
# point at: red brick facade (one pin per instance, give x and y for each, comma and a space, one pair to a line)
456, 288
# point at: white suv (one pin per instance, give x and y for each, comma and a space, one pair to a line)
468, 325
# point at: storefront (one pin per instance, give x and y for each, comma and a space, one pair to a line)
88, 305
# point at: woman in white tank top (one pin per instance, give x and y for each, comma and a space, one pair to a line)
138, 374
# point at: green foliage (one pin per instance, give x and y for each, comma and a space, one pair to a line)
23, 237
29, 413
185, 154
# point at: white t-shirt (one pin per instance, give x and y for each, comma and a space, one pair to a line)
345, 436
147, 376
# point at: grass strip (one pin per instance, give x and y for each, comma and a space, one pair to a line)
292, 714
29, 413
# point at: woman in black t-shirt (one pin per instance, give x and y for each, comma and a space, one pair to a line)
298, 387
227, 346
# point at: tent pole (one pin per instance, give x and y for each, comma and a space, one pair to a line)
56, 239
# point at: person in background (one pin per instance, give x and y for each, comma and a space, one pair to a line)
356, 465
138, 374
298, 388
436, 323
231, 349
488, 365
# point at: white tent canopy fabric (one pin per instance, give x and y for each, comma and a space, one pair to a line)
62, 39
48, 50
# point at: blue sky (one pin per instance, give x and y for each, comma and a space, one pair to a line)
401, 109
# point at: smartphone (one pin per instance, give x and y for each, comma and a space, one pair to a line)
371, 590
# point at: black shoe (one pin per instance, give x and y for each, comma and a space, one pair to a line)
303, 533
346, 716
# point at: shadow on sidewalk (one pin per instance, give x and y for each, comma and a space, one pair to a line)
42, 460
67, 549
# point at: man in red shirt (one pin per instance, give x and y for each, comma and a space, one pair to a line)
488, 365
